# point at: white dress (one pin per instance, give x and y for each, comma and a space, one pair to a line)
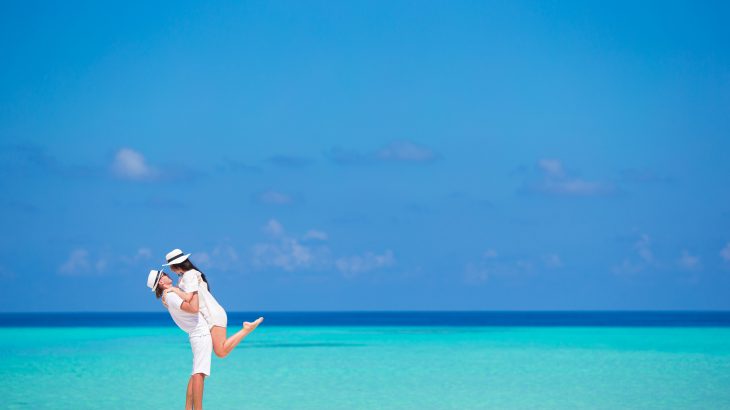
211, 310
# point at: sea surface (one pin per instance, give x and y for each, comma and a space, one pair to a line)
375, 360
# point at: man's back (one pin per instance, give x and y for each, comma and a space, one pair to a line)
192, 323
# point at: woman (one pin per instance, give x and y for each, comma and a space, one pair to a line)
193, 281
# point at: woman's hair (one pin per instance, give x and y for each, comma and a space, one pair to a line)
187, 265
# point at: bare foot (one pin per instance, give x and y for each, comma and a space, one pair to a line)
250, 326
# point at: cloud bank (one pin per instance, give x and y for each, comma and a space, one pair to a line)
290, 252
555, 180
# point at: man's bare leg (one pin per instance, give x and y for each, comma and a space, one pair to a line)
198, 379
223, 346
189, 395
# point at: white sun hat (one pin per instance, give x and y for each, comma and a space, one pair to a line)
175, 256
154, 279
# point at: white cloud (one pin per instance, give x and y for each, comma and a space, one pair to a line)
289, 252
476, 273
405, 151
552, 167
144, 253
556, 181
627, 267
490, 253
352, 266
101, 264
643, 258
79, 262
285, 251
493, 266
203, 259
315, 234
223, 257
130, 164
274, 198
688, 261
725, 253
643, 248
274, 228
552, 260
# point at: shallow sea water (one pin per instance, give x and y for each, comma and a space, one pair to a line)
373, 368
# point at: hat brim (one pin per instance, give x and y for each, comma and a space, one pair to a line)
179, 259
158, 276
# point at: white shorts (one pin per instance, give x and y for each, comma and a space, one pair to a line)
217, 317
202, 349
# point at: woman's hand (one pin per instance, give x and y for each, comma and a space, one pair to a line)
184, 296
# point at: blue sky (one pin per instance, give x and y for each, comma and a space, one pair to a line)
378, 155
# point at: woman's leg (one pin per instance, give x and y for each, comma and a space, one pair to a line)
223, 346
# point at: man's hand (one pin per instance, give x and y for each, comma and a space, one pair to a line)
164, 302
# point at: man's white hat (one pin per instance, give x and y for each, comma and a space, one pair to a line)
175, 256
154, 279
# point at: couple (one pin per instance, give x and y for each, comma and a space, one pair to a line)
195, 310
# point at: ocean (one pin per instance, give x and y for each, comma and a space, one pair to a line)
375, 360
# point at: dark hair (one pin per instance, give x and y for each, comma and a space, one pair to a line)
187, 265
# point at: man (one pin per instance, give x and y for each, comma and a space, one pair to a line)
185, 311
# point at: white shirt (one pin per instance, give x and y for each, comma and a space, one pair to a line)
189, 281
192, 281
192, 323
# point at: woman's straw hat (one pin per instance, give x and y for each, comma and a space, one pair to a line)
175, 256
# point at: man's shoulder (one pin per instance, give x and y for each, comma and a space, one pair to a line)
172, 299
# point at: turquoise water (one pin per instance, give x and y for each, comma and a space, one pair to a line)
373, 368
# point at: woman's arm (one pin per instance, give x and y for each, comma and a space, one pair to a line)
191, 306
191, 303
185, 296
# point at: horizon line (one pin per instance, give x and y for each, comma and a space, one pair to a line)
401, 311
